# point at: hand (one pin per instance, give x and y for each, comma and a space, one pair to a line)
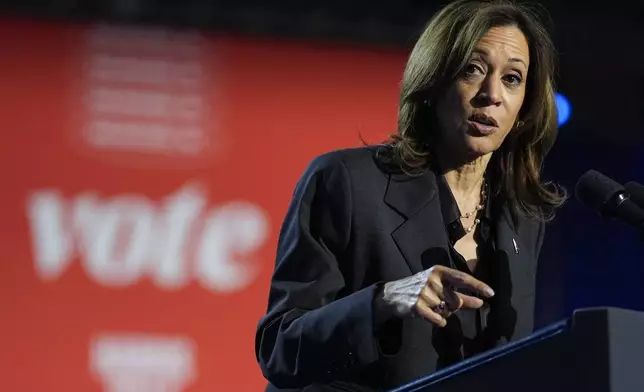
422, 293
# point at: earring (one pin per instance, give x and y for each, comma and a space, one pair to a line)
426, 102
519, 124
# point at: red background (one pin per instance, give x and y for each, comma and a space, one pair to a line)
272, 106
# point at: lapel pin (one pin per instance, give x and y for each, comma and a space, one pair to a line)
516, 247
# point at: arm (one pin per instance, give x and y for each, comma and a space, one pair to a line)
309, 333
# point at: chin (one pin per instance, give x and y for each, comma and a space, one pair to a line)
482, 146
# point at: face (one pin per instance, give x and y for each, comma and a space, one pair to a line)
481, 107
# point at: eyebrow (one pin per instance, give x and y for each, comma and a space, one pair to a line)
511, 59
517, 60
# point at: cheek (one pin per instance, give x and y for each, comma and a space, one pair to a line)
451, 107
504, 135
516, 103
513, 109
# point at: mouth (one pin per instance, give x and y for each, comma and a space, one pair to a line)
483, 124
484, 119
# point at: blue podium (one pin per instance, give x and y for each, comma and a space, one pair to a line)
596, 350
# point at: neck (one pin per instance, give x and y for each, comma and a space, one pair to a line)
466, 179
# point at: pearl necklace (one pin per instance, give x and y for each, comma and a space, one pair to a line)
478, 208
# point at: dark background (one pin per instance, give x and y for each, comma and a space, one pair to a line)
586, 261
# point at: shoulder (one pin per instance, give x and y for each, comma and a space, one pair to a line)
350, 157
358, 162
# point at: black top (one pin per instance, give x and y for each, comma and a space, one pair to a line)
463, 334
464, 329
351, 226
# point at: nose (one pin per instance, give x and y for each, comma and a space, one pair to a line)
489, 93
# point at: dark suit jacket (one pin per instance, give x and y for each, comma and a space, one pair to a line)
351, 225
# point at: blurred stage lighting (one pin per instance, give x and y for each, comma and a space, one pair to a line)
563, 108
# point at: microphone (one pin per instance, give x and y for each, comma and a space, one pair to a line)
636, 191
609, 198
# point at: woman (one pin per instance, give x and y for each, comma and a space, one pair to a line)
396, 260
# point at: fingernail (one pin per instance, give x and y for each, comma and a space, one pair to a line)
489, 292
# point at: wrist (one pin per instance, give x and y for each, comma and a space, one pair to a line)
382, 309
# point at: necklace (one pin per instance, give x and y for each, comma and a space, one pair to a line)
474, 213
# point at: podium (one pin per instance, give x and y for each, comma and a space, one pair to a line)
596, 350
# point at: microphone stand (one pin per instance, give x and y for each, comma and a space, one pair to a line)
633, 206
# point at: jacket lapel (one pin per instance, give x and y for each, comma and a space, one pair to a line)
512, 276
423, 242
421, 237
513, 256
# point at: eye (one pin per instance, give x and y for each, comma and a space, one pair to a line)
513, 79
473, 69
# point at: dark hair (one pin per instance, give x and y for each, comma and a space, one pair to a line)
439, 56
